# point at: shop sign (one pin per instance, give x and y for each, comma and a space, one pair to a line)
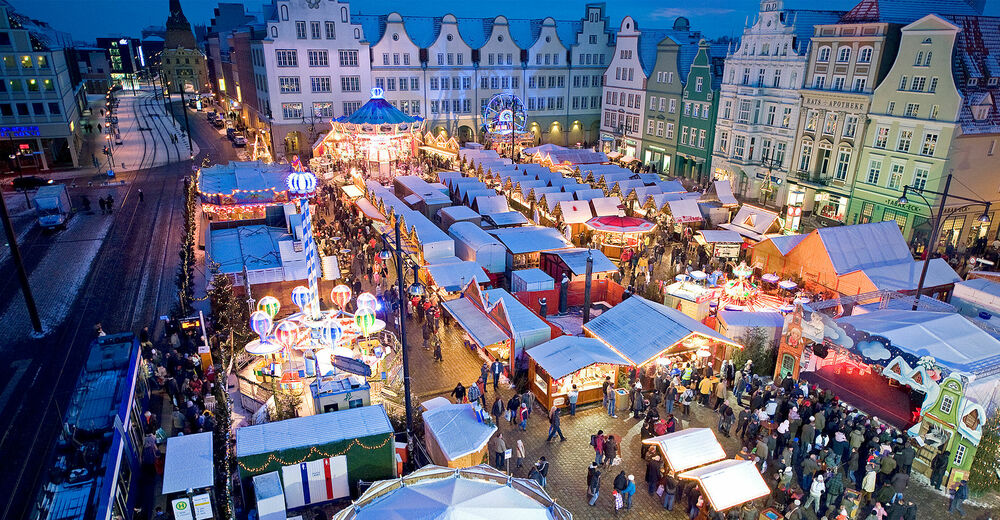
776, 180
908, 207
727, 250
202, 506
182, 509
835, 103
19, 131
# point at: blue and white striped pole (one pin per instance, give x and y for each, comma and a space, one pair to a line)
303, 183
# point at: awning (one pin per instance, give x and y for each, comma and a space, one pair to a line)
352, 191
688, 449
189, 463
724, 190
685, 210
352, 366
369, 209
716, 236
439, 151
480, 327
729, 483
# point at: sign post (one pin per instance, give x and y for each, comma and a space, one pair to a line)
182, 509
506, 457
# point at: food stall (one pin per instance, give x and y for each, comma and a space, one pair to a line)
688, 449
728, 483
558, 364
690, 297
614, 234
722, 244
457, 435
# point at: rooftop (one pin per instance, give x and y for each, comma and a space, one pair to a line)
256, 246
313, 430
243, 176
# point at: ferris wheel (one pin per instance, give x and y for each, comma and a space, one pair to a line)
504, 113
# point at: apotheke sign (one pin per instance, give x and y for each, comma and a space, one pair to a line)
834, 103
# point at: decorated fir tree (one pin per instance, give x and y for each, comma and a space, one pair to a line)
984, 475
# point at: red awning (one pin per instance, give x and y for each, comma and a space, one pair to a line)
615, 224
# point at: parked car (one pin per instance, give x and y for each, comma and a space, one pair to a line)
218, 123
230, 133
210, 115
28, 183
239, 140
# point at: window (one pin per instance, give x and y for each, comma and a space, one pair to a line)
701, 139
43, 62
314, 31
672, 105
22, 109
776, 81
54, 108
838, 82
323, 109
830, 124
918, 83
698, 84
746, 76
320, 84
927, 59
779, 154
850, 126
289, 85
881, 137
406, 59
891, 108
819, 82
385, 58
33, 85
865, 56
920, 175
897, 216
651, 126
902, 83
895, 176
727, 109
434, 83
300, 30
350, 84
739, 144
824, 55
331, 30
806, 157
38, 109
933, 87
723, 142
960, 449
351, 107
874, 169
843, 163
26, 62
760, 77
812, 120
348, 58
694, 112
687, 108
288, 58
934, 112
291, 110
659, 129
414, 83
744, 115
765, 148
930, 142
786, 118
860, 83
414, 107
903, 144
451, 58
844, 55
318, 58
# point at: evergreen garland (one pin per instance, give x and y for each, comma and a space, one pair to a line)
185, 271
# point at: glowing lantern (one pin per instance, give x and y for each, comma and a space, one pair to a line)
340, 295
367, 301
301, 297
287, 334
270, 305
261, 322
332, 333
365, 320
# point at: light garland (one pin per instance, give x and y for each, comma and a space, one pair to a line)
313, 450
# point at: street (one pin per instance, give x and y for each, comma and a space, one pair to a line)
116, 270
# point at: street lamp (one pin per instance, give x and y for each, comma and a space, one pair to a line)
415, 289
936, 223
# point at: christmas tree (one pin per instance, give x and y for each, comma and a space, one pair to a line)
984, 476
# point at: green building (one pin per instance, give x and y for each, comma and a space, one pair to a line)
912, 121
664, 89
954, 423
696, 124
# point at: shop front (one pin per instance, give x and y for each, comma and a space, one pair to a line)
868, 206
39, 147
556, 366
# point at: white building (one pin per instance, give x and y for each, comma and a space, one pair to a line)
625, 80
759, 101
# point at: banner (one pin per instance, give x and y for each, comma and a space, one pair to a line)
315, 481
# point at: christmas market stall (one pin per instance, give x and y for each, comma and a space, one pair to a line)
722, 244
667, 337
479, 492
526, 244
754, 223
688, 448
475, 245
189, 466
354, 444
572, 263
242, 190
931, 373
556, 366
457, 435
373, 141
615, 234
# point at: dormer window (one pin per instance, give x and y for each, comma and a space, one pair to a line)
973, 82
927, 41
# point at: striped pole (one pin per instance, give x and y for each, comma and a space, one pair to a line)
312, 259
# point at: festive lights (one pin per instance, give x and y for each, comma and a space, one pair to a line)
312, 454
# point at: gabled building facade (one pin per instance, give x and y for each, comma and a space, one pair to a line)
759, 105
699, 108
664, 90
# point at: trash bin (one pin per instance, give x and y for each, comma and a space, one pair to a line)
621, 401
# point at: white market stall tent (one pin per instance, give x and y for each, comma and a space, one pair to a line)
456, 434
688, 449
188, 463
729, 483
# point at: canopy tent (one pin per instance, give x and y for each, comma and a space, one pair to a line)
453, 276
189, 463
685, 210
479, 492
567, 354
616, 224
457, 435
729, 483
688, 449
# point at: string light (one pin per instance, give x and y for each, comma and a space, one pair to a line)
311, 455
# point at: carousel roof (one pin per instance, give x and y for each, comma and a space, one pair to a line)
615, 224
378, 111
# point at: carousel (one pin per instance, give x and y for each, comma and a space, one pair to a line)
372, 142
742, 294
614, 234
506, 124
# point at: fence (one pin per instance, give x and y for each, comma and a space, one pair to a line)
253, 395
600, 291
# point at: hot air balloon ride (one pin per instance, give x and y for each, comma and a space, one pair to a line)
270, 305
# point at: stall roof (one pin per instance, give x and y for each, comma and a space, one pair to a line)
853, 247
729, 483
459, 213
752, 222
575, 211
472, 235
255, 245
189, 463
662, 328
752, 319
606, 206
435, 402
552, 200
453, 276
548, 147
522, 319
472, 319
313, 430
352, 191
457, 429
491, 204
506, 218
576, 260
532, 276
905, 276
689, 448
244, 176
685, 210
670, 186
369, 209
715, 236
589, 194
530, 239
724, 190
565, 355
952, 340
785, 243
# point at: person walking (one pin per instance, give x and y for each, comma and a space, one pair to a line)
497, 410
499, 448
519, 454
473, 393
815, 494
597, 442
543, 469
609, 399
938, 466
140, 194
958, 497
437, 349
459, 393
496, 369
610, 450
103, 205
670, 492
554, 423
629, 491
594, 486
522, 417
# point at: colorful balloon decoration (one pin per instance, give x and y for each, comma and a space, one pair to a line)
287, 334
367, 301
270, 305
301, 296
341, 295
365, 320
261, 322
332, 333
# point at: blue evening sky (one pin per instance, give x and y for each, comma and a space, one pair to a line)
88, 19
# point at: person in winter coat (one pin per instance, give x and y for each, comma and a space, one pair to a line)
499, 447
519, 454
474, 393
459, 393
834, 489
594, 486
610, 449
522, 417
899, 482
497, 410
597, 442
629, 491
816, 491
938, 466
669, 492
653, 466
512, 405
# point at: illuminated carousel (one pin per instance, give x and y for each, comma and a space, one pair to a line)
740, 293
505, 123
327, 346
371, 142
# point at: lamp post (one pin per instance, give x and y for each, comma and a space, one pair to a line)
22, 273
936, 223
416, 289
187, 123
